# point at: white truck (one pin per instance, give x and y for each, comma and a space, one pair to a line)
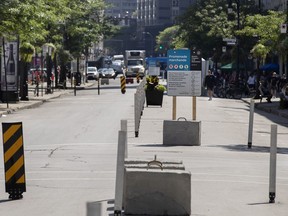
134, 63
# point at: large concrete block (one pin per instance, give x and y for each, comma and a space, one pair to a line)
164, 166
157, 192
104, 81
146, 161
181, 133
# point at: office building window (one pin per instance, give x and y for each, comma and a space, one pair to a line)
175, 3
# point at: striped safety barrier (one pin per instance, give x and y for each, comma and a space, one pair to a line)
123, 84
14, 159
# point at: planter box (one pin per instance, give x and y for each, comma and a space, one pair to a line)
154, 98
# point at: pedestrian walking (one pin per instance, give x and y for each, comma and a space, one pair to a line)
37, 81
264, 91
251, 81
273, 84
209, 83
52, 81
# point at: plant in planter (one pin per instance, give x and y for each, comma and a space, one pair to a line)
154, 91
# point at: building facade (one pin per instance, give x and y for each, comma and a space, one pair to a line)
154, 16
121, 8
273, 4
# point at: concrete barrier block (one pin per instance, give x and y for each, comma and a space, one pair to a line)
181, 133
156, 192
145, 161
104, 81
164, 166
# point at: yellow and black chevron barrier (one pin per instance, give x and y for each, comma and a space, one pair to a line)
15, 181
123, 84
138, 77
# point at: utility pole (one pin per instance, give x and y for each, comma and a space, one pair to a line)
237, 38
238, 42
286, 72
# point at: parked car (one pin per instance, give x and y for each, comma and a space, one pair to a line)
107, 73
92, 73
118, 67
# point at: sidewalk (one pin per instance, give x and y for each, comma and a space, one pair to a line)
269, 107
227, 178
35, 101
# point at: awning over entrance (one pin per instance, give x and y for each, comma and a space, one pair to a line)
270, 67
232, 66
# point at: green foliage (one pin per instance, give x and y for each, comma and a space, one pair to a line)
206, 23
265, 27
165, 39
152, 83
260, 51
26, 52
81, 23
64, 56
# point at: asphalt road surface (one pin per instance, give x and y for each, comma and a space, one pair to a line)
70, 152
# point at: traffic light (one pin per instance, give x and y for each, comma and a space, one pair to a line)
160, 46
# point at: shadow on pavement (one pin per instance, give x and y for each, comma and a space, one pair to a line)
270, 111
258, 149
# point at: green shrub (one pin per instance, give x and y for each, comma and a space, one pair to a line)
152, 83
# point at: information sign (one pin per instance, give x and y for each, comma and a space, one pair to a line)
187, 83
179, 59
182, 79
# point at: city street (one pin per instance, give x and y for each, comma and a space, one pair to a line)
71, 143
70, 152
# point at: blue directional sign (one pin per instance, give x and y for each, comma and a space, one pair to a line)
179, 60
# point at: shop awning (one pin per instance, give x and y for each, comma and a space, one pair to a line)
231, 66
270, 67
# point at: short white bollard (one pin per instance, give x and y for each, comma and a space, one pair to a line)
120, 173
124, 127
273, 158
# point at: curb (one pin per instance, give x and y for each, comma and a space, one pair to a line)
34, 103
274, 110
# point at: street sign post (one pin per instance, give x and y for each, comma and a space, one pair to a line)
184, 75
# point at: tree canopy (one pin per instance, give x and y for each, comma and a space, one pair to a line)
207, 22
77, 23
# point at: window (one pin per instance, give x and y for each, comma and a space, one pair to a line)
175, 3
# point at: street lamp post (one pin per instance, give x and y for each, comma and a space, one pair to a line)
148, 33
238, 28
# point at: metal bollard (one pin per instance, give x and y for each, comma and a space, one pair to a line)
251, 120
123, 84
75, 86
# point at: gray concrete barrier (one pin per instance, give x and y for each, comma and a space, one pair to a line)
104, 81
157, 192
145, 161
181, 132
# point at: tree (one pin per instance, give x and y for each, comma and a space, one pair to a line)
79, 22
166, 39
206, 23
266, 28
